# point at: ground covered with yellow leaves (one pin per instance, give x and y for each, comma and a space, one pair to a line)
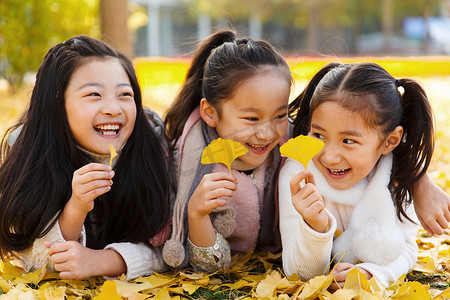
253, 275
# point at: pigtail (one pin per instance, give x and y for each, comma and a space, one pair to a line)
299, 109
413, 155
191, 92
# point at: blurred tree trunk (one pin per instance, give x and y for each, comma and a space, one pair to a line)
312, 33
357, 15
386, 19
114, 27
427, 38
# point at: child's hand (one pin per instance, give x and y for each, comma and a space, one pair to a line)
75, 261
432, 205
208, 193
89, 182
205, 198
309, 202
340, 273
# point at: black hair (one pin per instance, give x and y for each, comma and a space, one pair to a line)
369, 89
36, 172
219, 65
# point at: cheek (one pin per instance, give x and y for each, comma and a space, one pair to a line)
280, 130
131, 114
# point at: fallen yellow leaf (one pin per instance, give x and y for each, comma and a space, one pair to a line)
356, 280
113, 154
9, 271
302, 148
5, 285
345, 294
155, 281
109, 292
163, 294
52, 293
426, 264
314, 286
268, 286
222, 151
128, 289
190, 287
237, 285
32, 277
412, 291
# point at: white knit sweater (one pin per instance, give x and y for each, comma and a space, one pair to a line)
308, 253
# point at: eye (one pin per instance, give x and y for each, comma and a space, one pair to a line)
94, 94
318, 136
252, 119
348, 141
126, 94
281, 117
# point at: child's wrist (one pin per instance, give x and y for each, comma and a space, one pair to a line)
74, 209
318, 226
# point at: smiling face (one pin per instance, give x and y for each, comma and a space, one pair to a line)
100, 106
255, 116
351, 148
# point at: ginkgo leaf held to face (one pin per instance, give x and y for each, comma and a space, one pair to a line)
302, 148
113, 153
223, 151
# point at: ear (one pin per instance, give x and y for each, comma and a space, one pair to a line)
209, 113
393, 139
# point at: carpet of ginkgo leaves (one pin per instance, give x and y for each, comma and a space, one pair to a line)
253, 275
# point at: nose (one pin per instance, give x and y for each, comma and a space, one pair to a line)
111, 106
330, 154
266, 131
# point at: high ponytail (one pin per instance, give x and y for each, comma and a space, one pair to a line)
190, 94
412, 156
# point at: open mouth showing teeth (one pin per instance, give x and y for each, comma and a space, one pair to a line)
338, 172
110, 129
258, 147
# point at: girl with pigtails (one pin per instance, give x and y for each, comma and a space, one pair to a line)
357, 205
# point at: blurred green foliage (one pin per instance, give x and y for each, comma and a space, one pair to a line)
330, 13
28, 28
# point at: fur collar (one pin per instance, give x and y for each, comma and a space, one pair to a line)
373, 234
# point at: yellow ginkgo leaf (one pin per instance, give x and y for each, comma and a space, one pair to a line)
302, 148
315, 285
113, 154
223, 151
109, 291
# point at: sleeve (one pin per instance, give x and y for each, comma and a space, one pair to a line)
308, 254
210, 259
36, 257
141, 259
387, 274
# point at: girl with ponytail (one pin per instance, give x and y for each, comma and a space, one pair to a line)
357, 205
236, 88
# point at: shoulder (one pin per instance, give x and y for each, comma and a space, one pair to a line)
155, 121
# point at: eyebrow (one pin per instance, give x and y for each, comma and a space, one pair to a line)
96, 84
252, 109
351, 132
